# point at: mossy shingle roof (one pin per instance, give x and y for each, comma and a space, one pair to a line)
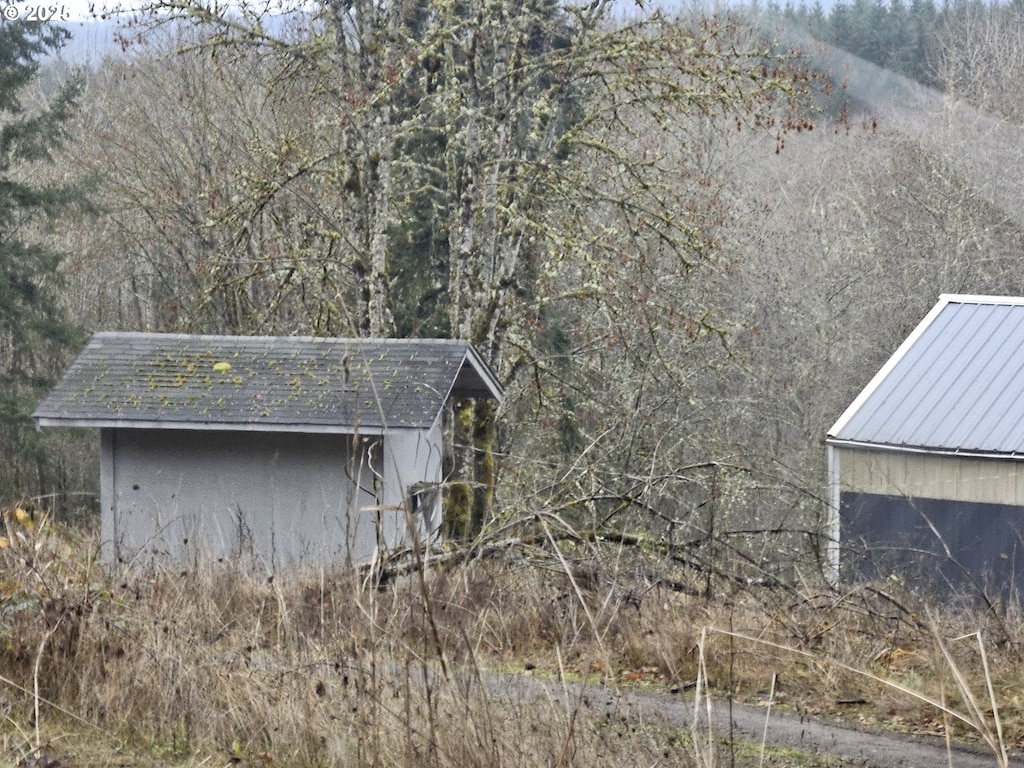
263, 383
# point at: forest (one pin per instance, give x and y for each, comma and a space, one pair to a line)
683, 240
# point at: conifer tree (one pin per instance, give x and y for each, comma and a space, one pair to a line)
33, 335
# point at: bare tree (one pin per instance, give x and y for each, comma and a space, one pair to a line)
546, 153
981, 58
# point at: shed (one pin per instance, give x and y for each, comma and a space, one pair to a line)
926, 466
285, 451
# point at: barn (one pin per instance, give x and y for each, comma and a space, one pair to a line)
926, 466
280, 451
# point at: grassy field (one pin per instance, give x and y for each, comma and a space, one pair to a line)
222, 666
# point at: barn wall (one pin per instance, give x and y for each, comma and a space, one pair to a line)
278, 500
936, 546
986, 481
940, 522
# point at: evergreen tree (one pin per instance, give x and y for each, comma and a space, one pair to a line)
817, 23
923, 41
899, 35
33, 336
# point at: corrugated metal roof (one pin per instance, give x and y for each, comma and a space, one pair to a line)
956, 385
256, 382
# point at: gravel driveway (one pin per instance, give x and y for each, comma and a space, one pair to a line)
857, 747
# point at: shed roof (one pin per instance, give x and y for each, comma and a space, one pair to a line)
262, 383
956, 385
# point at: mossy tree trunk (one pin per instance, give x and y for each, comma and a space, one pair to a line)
483, 463
470, 491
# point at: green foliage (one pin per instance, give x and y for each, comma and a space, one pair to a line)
902, 38
909, 39
34, 336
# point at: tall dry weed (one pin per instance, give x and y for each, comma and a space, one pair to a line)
333, 668
310, 668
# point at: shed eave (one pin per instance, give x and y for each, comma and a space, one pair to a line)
916, 449
339, 429
491, 386
972, 298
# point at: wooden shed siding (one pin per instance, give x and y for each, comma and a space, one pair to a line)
108, 547
412, 456
929, 476
278, 500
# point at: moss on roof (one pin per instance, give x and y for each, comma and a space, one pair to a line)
300, 382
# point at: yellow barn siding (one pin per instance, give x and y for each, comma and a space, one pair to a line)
989, 481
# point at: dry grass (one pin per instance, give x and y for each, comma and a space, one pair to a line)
218, 667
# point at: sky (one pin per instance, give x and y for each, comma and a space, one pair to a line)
45, 10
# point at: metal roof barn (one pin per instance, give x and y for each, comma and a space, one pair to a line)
283, 450
925, 466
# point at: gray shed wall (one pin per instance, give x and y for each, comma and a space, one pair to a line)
274, 499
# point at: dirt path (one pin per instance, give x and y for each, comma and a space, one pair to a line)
871, 749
